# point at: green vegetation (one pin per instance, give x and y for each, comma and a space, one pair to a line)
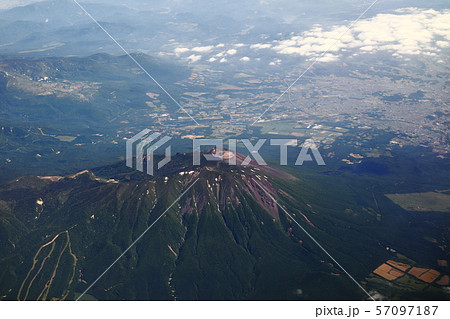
223, 240
428, 201
220, 242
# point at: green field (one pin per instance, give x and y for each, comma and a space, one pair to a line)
429, 201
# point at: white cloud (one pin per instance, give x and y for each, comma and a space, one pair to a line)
408, 31
179, 51
223, 60
367, 48
194, 58
220, 45
203, 49
275, 62
443, 44
232, 52
239, 45
258, 46
212, 59
328, 58
245, 59
199, 49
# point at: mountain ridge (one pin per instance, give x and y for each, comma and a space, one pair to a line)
225, 239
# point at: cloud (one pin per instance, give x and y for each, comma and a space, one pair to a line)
179, 51
275, 62
408, 31
258, 46
199, 49
245, 59
328, 58
220, 45
194, 58
203, 49
443, 44
232, 52
223, 60
212, 59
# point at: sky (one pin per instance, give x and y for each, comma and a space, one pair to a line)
8, 4
404, 32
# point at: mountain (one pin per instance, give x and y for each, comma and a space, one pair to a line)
60, 27
77, 91
224, 239
58, 106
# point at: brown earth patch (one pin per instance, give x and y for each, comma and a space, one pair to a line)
430, 276
398, 265
388, 272
417, 272
444, 281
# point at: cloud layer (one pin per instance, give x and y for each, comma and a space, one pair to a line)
404, 32
409, 31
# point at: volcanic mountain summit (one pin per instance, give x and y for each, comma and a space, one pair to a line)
224, 239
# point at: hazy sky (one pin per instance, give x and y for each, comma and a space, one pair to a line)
7, 4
